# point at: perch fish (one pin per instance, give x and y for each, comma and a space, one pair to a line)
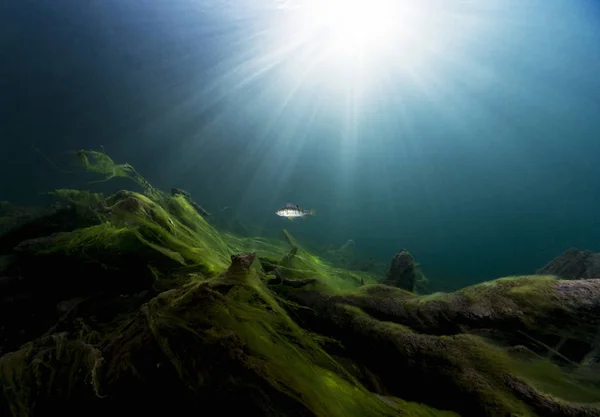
292, 211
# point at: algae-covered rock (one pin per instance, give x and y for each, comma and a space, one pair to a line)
402, 272
223, 344
469, 374
573, 264
541, 304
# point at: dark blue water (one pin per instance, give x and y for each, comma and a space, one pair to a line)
474, 145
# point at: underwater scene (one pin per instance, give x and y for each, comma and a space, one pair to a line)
346, 208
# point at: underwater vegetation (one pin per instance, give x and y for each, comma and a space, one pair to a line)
134, 303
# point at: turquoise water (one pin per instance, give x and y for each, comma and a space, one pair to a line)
469, 135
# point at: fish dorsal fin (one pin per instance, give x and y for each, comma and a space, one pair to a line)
290, 205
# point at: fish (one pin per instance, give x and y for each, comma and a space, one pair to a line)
291, 211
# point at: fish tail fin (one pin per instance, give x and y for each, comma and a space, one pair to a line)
312, 212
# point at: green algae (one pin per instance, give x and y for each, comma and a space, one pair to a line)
235, 313
549, 378
536, 290
51, 367
137, 230
217, 332
302, 264
100, 163
465, 362
170, 228
466, 365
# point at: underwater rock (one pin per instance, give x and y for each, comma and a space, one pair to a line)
477, 378
540, 306
402, 272
573, 264
223, 344
241, 263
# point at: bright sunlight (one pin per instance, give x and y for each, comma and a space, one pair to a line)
356, 26
371, 34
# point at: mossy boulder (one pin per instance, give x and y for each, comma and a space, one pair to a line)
573, 264
402, 272
531, 304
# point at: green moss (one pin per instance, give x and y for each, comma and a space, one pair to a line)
466, 366
535, 290
236, 313
534, 287
540, 373
434, 297
549, 378
534, 295
470, 354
